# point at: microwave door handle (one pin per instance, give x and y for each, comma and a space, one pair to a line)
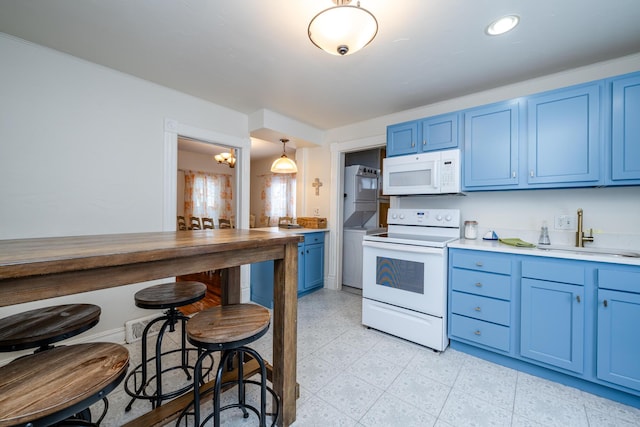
436, 175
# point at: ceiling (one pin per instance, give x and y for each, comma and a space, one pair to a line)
250, 55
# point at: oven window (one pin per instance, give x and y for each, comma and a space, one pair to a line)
400, 274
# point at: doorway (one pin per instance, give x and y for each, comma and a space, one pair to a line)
196, 160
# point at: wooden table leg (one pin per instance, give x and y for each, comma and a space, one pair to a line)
230, 284
285, 331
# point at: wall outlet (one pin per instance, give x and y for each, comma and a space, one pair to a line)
565, 222
316, 211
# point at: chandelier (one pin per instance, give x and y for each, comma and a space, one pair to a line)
284, 164
343, 29
226, 158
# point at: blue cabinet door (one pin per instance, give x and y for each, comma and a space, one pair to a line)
402, 139
619, 338
565, 137
262, 283
552, 323
491, 140
625, 131
314, 266
439, 132
301, 270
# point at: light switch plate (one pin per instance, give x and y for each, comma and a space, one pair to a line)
565, 222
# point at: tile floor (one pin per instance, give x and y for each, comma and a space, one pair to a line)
353, 376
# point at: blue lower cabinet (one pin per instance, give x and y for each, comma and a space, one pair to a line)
310, 271
552, 323
571, 321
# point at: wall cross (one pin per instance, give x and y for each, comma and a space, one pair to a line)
317, 184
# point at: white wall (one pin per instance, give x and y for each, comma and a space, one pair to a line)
81, 152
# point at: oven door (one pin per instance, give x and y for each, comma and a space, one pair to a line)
412, 277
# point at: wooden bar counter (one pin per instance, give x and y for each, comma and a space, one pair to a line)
36, 269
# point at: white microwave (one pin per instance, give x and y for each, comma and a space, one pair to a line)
435, 172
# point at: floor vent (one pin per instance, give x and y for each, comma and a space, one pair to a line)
133, 328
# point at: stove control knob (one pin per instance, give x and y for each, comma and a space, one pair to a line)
401, 216
394, 216
447, 218
439, 217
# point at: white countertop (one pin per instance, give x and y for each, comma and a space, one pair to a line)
496, 246
291, 230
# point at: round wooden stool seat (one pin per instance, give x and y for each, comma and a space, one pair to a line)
42, 327
228, 326
145, 381
170, 295
47, 387
229, 329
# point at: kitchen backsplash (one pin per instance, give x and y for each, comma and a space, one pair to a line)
613, 213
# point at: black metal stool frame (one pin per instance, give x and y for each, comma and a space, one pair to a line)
229, 350
171, 317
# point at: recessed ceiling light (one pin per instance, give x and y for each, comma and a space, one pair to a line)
502, 25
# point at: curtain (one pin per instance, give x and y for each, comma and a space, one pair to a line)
207, 195
279, 196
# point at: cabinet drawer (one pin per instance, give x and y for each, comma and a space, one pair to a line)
619, 280
482, 308
554, 271
480, 283
482, 261
485, 333
311, 238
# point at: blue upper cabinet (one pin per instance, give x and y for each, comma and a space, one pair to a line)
439, 133
625, 131
402, 139
491, 147
417, 136
565, 137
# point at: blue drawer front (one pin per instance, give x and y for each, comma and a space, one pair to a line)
482, 308
618, 280
480, 283
482, 261
561, 271
484, 333
311, 238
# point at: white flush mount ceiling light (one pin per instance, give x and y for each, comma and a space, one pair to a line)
343, 29
284, 164
226, 158
503, 25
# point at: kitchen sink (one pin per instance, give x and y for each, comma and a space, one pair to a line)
592, 251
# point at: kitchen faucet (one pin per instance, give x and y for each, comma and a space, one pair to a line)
580, 237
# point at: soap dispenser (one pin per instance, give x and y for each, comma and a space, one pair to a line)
544, 235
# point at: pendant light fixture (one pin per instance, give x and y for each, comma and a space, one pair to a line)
284, 164
343, 29
226, 158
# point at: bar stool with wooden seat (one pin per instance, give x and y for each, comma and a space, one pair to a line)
229, 329
143, 382
42, 327
50, 386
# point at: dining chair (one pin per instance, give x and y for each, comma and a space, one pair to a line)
207, 223
182, 223
252, 221
285, 220
195, 223
224, 223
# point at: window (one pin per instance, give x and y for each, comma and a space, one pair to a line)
207, 195
279, 196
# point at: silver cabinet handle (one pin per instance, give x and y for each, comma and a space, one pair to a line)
578, 298
479, 264
513, 174
606, 303
477, 309
477, 333
531, 173
478, 285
